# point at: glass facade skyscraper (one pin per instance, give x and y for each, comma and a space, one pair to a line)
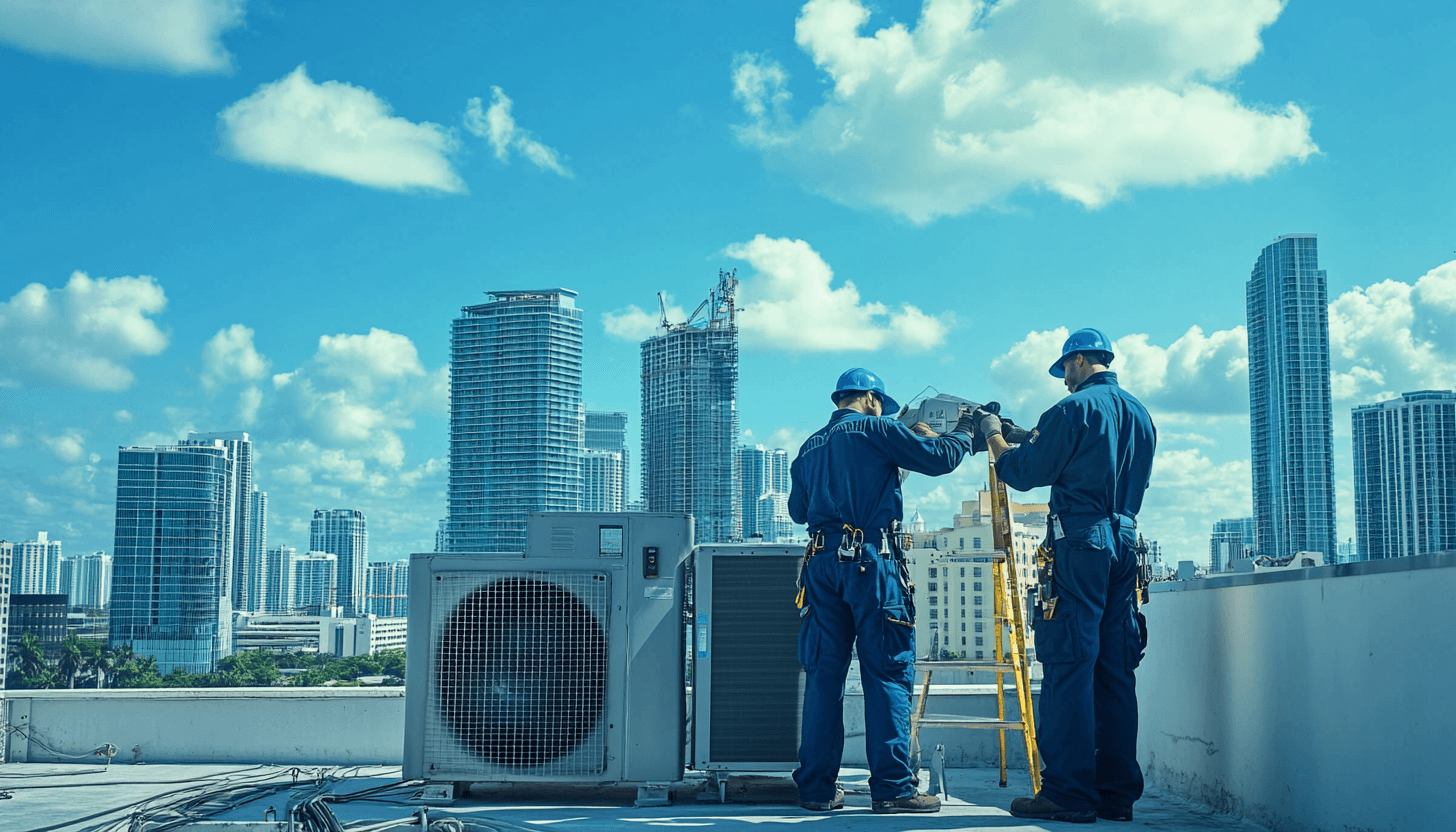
1232, 540
516, 417
389, 589
239, 523
257, 563
168, 598
1405, 475
315, 582
344, 533
1290, 422
690, 418
764, 476
607, 464
278, 580
93, 581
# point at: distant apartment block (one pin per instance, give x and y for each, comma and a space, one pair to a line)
238, 523
278, 580
7, 558
516, 417
168, 597
67, 584
388, 594
602, 473
763, 476
320, 634
1232, 540
37, 569
42, 615
606, 431
93, 581
315, 582
257, 561
344, 533
1405, 475
690, 417
1290, 422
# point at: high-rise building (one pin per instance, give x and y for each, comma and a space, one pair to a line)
1290, 423
1405, 475
239, 521
315, 581
66, 585
1232, 540
690, 417
516, 417
93, 581
37, 569
763, 474
389, 589
601, 478
7, 558
607, 431
168, 599
257, 560
342, 532
278, 580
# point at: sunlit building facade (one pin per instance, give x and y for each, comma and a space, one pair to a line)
1290, 423
1405, 475
516, 417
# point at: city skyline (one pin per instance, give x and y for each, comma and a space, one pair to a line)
1405, 475
624, 172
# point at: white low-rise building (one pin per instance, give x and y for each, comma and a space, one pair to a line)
330, 634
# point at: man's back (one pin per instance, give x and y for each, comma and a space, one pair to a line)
1095, 447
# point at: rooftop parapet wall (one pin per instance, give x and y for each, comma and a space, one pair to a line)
1312, 699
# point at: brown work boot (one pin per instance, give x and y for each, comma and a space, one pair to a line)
916, 803
1042, 808
825, 805
1122, 813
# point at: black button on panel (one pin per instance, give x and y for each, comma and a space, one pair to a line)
649, 561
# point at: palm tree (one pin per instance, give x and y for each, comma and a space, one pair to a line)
30, 657
102, 664
73, 658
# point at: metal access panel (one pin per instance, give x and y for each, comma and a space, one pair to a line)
564, 664
748, 685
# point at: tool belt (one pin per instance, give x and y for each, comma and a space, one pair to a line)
1046, 560
850, 549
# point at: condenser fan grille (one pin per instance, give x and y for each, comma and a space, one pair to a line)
520, 675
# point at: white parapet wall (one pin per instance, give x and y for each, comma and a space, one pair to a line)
280, 726
1311, 699
343, 726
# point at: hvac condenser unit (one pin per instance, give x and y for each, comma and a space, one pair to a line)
564, 664
748, 685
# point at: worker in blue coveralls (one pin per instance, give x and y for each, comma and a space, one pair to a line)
1095, 449
854, 588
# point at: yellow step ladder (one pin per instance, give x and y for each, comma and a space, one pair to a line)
1009, 628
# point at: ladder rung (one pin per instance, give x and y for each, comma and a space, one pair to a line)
973, 664
969, 722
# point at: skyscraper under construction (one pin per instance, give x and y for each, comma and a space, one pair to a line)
690, 416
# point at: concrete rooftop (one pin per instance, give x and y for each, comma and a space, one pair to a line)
70, 798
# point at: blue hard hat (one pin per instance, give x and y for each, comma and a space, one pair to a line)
1083, 340
860, 380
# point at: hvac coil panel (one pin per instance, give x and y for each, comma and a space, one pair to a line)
748, 685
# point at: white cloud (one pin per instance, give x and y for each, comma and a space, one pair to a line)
10, 439
340, 130
792, 304
68, 447
174, 36
248, 403
634, 324
1394, 337
80, 335
1086, 99
497, 126
1199, 374
1189, 493
122, 415
230, 356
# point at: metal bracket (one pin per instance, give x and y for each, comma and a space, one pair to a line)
937, 773
653, 794
714, 788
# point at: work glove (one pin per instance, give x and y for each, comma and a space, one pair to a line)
966, 424
1013, 433
987, 422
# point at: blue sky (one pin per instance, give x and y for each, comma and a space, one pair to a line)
277, 209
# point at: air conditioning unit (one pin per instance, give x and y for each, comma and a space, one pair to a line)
748, 685
564, 664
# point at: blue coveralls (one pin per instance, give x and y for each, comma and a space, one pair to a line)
1095, 449
848, 472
